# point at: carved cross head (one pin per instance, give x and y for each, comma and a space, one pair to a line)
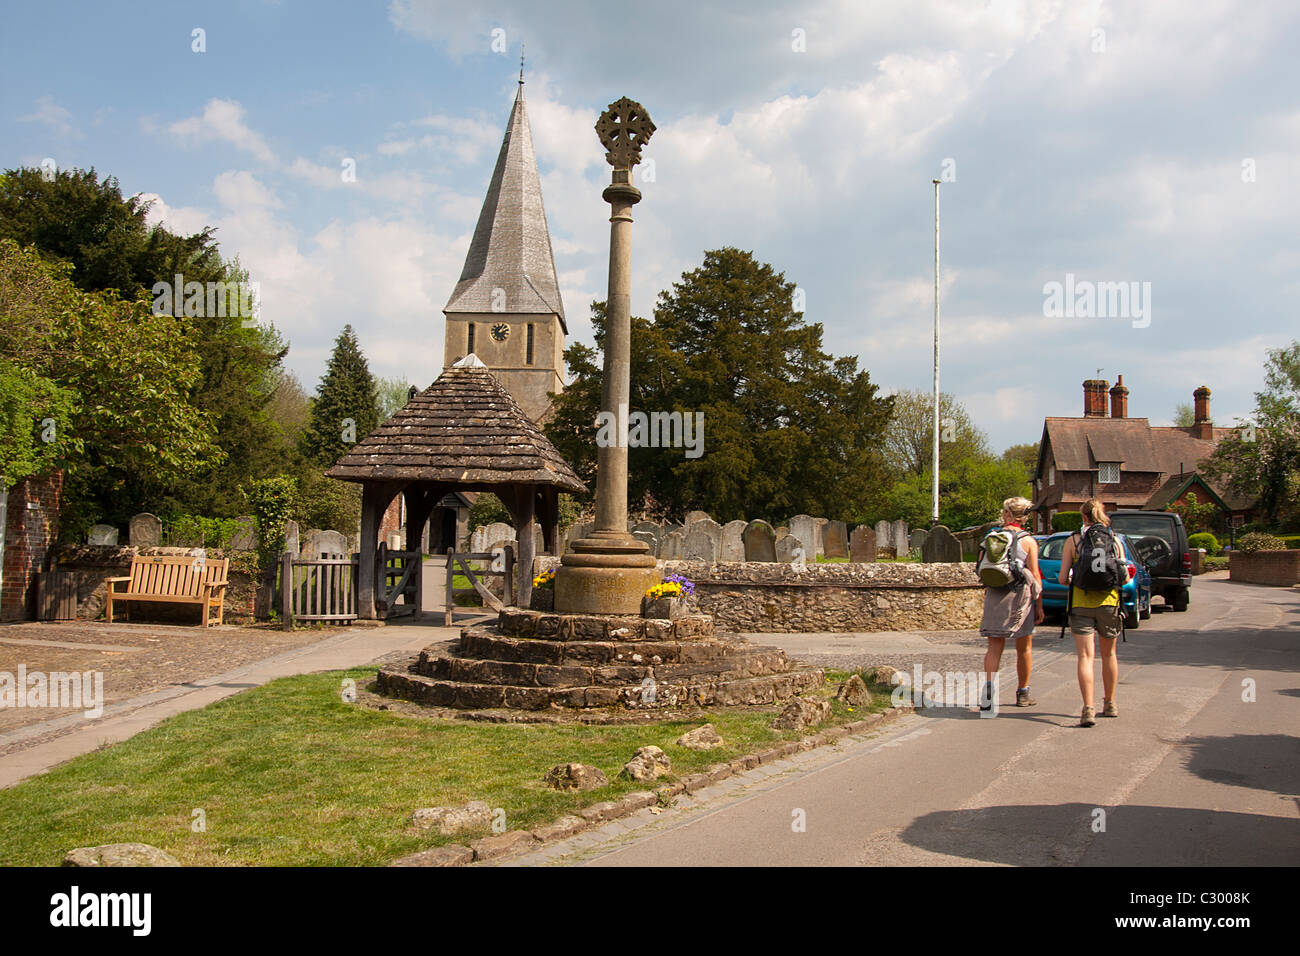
623, 129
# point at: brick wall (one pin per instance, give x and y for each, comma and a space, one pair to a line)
1280, 568
31, 525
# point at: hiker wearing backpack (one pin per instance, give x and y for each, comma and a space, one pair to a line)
1094, 566
1013, 598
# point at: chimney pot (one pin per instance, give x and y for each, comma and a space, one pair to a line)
1202, 427
1119, 399
1094, 398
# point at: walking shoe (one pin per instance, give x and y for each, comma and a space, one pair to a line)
1087, 718
1109, 710
1023, 699
986, 697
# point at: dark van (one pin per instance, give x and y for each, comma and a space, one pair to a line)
1161, 543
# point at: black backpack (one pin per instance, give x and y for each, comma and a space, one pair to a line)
1097, 566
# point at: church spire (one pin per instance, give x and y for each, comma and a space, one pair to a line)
510, 267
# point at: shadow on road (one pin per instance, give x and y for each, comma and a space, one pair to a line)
1260, 761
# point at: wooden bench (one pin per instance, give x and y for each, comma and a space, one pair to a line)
176, 579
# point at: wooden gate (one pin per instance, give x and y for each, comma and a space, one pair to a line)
489, 599
318, 589
399, 576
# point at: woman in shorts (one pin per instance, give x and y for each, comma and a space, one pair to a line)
1093, 612
1012, 612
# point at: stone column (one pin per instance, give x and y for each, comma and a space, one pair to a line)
608, 571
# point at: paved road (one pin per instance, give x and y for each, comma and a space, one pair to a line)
1189, 774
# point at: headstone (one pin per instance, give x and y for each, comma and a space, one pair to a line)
478, 540
291, 537
145, 531
733, 545
916, 540
899, 537
782, 531
884, 534
699, 544
835, 539
651, 541
500, 531
653, 529
325, 542
760, 541
672, 547
790, 550
245, 536
940, 546
862, 544
103, 534
805, 528
694, 516
711, 528
394, 541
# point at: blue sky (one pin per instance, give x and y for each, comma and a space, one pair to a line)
1154, 142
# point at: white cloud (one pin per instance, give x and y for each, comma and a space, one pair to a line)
53, 116
222, 121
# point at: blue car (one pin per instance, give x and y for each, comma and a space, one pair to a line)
1136, 594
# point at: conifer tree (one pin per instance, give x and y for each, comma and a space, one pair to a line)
346, 406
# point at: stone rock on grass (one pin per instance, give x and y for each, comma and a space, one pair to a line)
475, 815
452, 855
648, 763
803, 712
854, 692
119, 854
575, 776
882, 675
701, 738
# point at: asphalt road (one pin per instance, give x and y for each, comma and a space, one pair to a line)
1201, 767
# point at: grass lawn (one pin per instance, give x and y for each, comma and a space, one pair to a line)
290, 774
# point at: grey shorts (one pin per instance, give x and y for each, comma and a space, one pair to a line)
1104, 620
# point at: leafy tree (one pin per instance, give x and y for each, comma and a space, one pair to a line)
909, 439
1262, 459
1184, 415
346, 408
393, 393
1197, 516
788, 428
1026, 455
34, 424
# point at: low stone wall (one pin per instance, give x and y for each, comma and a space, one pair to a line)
1279, 568
95, 564
787, 598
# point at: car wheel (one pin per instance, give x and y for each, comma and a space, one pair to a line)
1146, 614
1131, 620
1181, 598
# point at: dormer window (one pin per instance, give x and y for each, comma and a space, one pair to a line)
1108, 473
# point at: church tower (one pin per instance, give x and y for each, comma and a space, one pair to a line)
506, 307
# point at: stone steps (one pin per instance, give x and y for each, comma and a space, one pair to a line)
519, 622
721, 689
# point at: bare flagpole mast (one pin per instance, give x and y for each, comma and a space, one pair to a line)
934, 503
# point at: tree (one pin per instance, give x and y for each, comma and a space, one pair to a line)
34, 418
346, 407
787, 427
1197, 516
1026, 455
1262, 459
393, 393
1184, 416
909, 440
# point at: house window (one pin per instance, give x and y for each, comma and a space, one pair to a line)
1051, 474
1038, 484
1108, 473
529, 359
470, 347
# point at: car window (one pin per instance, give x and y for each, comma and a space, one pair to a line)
1141, 526
1053, 548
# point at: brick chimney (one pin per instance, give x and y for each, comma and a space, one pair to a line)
1094, 398
1202, 427
1119, 399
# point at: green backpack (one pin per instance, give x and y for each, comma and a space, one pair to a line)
998, 565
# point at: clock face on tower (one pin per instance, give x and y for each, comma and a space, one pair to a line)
500, 331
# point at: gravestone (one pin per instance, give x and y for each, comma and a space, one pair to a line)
884, 535
805, 528
672, 546
916, 540
245, 536
862, 544
500, 531
654, 530
104, 534
478, 540
694, 516
711, 528
790, 550
651, 541
395, 540
145, 531
899, 537
733, 545
699, 544
941, 547
835, 539
760, 541
320, 543
291, 537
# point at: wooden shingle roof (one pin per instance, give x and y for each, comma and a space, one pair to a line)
464, 429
